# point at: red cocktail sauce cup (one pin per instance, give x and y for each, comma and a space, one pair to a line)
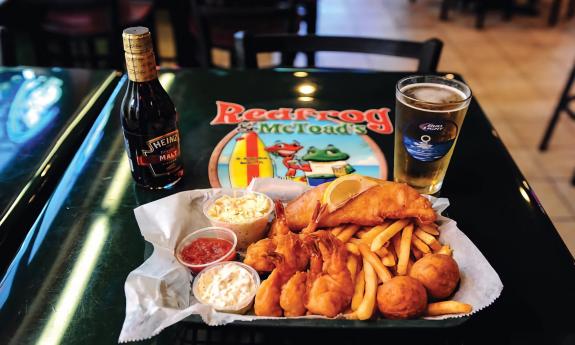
209, 232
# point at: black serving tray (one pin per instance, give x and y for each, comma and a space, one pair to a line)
339, 323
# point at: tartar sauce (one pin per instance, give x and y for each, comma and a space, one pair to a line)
239, 209
226, 287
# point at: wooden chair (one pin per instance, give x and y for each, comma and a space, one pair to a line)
564, 105
248, 46
556, 9
215, 22
70, 31
7, 56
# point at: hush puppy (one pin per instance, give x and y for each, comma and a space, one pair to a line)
402, 297
439, 274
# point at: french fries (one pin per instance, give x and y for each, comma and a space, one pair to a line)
374, 232
347, 233
388, 233
382, 271
386, 257
435, 245
420, 245
352, 266
378, 253
337, 230
352, 248
404, 246
428, 239
382, 252
409, 265
355, 240
445, 249
448, 307
361, 232
365, 309
358, 290
395, 243
430, 229
417, 254
389, 259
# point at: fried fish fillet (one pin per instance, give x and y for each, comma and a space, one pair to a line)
388, 200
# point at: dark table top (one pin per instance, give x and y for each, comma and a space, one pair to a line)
44, 117
66, 284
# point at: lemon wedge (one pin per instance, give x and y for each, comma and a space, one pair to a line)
345, 188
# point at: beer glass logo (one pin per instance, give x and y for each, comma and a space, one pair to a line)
431, 127
429, 141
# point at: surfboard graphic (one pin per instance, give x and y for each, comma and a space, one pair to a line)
249, 159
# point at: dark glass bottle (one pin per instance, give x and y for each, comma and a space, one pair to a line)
149, 118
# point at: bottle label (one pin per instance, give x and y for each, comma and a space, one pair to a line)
160, 154
430, 140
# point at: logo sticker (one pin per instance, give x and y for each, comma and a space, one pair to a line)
162, 153
429, 141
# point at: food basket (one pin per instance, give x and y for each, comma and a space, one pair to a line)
163, 222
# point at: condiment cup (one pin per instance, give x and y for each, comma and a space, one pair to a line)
209, 232
247, 232
243, 305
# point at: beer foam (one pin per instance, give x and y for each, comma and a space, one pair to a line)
433, 93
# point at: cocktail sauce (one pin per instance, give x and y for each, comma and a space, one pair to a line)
205, 250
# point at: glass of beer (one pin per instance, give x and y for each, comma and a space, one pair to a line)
429, 112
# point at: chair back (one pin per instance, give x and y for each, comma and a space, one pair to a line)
7, 53
248, 46
217, 20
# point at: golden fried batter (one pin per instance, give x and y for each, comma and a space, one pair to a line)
401, 297
267, 301
258, 253
439, 274
331, 289
292, 298
388, 200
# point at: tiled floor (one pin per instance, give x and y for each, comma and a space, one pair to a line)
516, 70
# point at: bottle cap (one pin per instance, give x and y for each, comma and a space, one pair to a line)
137, 40
139, 53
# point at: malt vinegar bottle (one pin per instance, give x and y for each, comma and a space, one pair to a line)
149, 118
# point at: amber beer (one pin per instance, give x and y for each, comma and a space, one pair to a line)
429, 113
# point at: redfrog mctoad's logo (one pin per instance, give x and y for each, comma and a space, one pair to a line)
299, 144
351, 121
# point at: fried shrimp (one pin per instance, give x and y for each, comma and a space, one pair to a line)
257, 255
292, 298
329, 291
291, 247
283, 241
279, 225
267, 302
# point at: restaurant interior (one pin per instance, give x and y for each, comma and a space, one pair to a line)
516, 56
517, 61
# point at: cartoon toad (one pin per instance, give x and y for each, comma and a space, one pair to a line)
326, 165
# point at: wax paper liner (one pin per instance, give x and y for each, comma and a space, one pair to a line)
158, 293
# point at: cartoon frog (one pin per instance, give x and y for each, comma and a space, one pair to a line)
288, 153
326, 165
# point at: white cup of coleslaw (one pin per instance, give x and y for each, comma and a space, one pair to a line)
248, 229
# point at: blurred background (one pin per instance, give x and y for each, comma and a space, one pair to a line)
517, 56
